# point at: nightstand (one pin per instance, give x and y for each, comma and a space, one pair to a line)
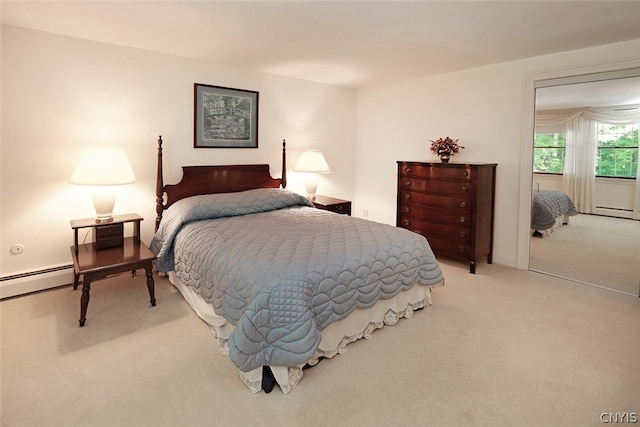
332, 204
109, 252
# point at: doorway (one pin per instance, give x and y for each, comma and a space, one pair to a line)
599, 250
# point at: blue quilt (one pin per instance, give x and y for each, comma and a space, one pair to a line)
281, 271
547, 206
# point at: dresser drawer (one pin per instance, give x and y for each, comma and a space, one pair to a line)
408, 198
460, 172
442, 246
436, 186
437, 216
459, 233
108, 236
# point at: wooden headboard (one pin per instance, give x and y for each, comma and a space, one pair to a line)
198, 180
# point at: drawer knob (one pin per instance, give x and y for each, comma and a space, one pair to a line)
338, 207
407, 184
464, 189
407, 209
461, 249
407, 196
464, 174
462, 219
407, 169
463, 204
406, 222
462, 234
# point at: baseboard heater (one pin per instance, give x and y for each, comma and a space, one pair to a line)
614, 209
34, 281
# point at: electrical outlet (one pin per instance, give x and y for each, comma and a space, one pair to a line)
16, 249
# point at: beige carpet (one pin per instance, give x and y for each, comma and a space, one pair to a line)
499, 348
594, 249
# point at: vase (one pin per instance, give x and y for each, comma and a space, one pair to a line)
444, 158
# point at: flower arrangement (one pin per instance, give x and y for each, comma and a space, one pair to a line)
445, 148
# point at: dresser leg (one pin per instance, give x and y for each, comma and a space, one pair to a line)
472, 267
151, 286
84, 300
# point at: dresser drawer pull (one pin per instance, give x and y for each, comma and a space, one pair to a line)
338, 207
462, 249
406, 222
464, 189
463, 204
407, 209
407, 169
462, 234
464, 174
407, 196
462, 219
407, 184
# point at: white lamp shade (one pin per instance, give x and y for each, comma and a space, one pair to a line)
312, 161
103, 166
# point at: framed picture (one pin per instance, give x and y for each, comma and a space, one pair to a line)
225, 117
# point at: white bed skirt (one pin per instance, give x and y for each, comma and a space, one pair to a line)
562, 220
335, 337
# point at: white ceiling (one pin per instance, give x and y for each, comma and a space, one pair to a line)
606, 93
351, 43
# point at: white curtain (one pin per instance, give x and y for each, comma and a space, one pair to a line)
579, 177
581, 129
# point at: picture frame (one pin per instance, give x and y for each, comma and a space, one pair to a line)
225, 117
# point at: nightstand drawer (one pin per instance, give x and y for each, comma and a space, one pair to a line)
108, 236
332, 204
341, 208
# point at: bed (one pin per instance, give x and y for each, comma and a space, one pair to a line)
282, 284
550, 209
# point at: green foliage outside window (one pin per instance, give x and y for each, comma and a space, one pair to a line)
548, 152
617, 153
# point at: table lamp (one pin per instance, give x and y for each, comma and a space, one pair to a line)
103, 167
311, 162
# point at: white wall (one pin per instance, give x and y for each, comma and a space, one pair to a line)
487, 109
61, 95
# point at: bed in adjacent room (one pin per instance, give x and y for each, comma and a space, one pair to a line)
281, 283
550, 209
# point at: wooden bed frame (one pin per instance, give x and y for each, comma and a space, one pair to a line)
199, 180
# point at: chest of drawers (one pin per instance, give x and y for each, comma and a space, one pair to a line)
451, 205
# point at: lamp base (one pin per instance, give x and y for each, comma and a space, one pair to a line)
311, 185
103, 202
104, 220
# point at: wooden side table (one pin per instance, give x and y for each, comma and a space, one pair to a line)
332, 204
109, 253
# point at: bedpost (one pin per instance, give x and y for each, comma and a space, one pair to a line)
284, 164
159, 186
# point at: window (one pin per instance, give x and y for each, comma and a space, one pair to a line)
548, 152
617, 151
616, 157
